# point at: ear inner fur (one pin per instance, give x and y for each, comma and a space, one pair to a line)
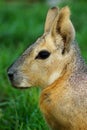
62, 26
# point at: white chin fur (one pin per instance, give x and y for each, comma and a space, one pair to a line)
24, 84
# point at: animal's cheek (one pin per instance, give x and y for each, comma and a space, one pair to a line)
34, 67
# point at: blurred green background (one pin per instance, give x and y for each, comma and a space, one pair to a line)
21, 22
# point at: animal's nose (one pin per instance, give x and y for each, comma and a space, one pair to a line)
10, 75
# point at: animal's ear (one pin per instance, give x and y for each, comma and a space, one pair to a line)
52, 13
62, 26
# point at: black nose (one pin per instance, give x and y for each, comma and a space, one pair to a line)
10, 75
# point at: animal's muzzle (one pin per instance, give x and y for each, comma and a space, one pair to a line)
11, 76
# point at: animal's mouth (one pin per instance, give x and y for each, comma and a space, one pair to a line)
17, 85
18, 80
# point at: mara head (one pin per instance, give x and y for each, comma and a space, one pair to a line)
44, 61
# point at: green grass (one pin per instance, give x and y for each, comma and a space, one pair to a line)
20, 25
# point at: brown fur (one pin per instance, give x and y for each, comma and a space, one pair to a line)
62, 75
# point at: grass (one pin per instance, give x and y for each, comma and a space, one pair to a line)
20, 25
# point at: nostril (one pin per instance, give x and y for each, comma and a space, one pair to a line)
10, 75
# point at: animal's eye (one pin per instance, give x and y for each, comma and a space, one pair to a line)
43, 55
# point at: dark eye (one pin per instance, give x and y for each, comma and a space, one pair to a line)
43, 55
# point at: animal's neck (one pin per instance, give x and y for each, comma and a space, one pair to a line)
79, 65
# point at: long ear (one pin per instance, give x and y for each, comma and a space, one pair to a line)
62, 26
52, 13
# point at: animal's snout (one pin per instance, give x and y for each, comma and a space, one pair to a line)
11, 75
16, 77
